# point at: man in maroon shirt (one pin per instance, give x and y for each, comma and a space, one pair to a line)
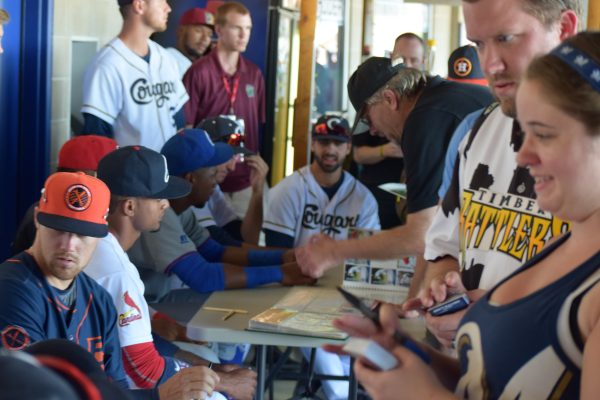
226, 83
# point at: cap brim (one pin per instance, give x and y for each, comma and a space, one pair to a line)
359, 127
177, 187
337, 138
480, 81
77, 226
223, 153
242, 150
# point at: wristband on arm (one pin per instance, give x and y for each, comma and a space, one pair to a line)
265, 257
257, 276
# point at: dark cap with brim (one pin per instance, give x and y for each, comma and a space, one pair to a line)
224, 129
72, 225
78, 367
368, 78
136, 171
76, 203
331, 127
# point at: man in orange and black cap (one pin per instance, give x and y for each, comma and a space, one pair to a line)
196, 28
80, 153
44, 295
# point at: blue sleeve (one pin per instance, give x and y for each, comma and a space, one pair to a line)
234, 229
265, 257
222, 236
198, 273
113, 362
143, 394
452, 152
163, 346
278, 239
179, 118
22, 313
211, 250
93, 125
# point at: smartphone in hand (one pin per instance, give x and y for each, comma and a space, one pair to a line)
450, 305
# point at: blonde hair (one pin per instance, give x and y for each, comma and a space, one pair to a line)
547, 11
4, 17
226, 8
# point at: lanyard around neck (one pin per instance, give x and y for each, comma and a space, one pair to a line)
232, 92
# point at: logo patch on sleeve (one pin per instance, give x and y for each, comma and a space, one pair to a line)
15, 337
132, 314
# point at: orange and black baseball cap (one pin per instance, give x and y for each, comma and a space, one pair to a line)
75, 202
463, 66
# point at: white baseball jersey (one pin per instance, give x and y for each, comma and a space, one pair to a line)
138, 98
183, 63
217, 211
111, 268
300, 208
489, 219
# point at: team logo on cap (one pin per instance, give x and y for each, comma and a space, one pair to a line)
333, 122
78, 197
210, 20
462, 67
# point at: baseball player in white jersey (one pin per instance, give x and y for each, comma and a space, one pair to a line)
132, 88
140, 184
320, 197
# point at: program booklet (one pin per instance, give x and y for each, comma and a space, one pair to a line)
385, 280
305, 311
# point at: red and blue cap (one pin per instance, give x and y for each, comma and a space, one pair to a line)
136, 171
197, 16
331, 127
191, 149
74, 202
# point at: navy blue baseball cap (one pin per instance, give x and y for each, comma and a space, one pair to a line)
137, 171
191, 149
226, 130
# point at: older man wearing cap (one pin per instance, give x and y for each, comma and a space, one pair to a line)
217, 215
420, 113
182, 248
132, 89
194, 34
44, 295
135, 176
80, 153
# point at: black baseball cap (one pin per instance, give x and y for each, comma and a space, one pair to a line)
124, 2
137, 171
464, 66
225, 130
331, 127
368, 78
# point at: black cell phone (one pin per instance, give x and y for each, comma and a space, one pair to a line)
399, 337
450, 305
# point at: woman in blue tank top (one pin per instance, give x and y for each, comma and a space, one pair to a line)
536, 334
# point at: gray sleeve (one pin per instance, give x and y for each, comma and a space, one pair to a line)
177, 236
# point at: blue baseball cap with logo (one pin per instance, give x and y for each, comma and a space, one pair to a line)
191, 149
